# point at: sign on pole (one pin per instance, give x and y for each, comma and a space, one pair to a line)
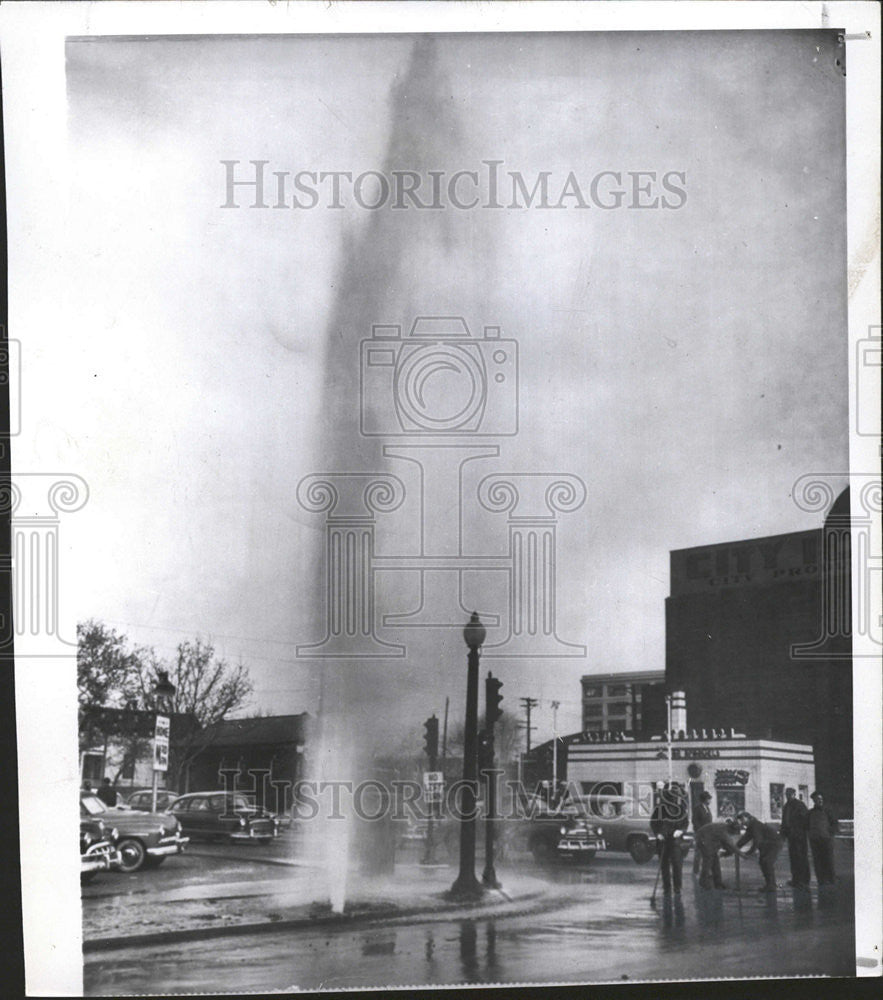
161, 744
433, 786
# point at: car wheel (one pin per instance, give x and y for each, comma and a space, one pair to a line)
640, 850
543, 850
132, 855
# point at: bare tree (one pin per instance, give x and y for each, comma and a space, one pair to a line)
207, 691
116, 688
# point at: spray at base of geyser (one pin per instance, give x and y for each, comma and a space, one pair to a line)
328, 836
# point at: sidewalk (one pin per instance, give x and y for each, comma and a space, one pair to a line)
201, 911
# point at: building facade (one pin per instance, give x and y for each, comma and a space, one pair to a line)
740, 771
757, 634
624, 702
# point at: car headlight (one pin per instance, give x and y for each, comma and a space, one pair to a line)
243, 821
87, 839
600, 831
178, 826
563, 830
114, 834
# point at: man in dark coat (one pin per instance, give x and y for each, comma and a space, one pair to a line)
701, 817
793, 828
668, 822
710, 839
107, 794
821, 826
765, 840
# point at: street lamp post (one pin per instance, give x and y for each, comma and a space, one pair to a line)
467, 885
163, 691
668, 733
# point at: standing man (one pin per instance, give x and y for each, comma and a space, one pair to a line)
712, 838
793, 828
701, 817
765, 840
668, 822
821, 827
107, 793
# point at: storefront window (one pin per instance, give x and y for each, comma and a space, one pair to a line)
730, 802
803, 792
777, 800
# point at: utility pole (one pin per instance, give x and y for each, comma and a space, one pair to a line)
555, 706
527, 704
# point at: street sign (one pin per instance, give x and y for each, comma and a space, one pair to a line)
161, 744
433, 786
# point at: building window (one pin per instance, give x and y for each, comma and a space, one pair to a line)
618, 708
617, 723
777, 800
128, 770
617, 690
93, 766
593, 711
592, 692
803, 793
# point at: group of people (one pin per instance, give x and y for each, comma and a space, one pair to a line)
805, 830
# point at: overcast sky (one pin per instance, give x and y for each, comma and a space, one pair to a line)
687, 364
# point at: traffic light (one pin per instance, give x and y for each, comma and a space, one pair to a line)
485, 750
430, 740
492, 698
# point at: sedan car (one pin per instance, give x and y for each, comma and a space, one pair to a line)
98, 851
143, 800
579, 838
626, 825
224, 816
144, 839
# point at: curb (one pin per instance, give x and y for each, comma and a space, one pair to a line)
305, 923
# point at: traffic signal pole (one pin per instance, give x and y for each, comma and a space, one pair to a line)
431, 747
492, 712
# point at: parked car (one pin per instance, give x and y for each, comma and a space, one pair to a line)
98, 851
144, 839
626, 823
142, 800
559, 831
225, 816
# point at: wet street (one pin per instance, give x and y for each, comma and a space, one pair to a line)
592, 923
